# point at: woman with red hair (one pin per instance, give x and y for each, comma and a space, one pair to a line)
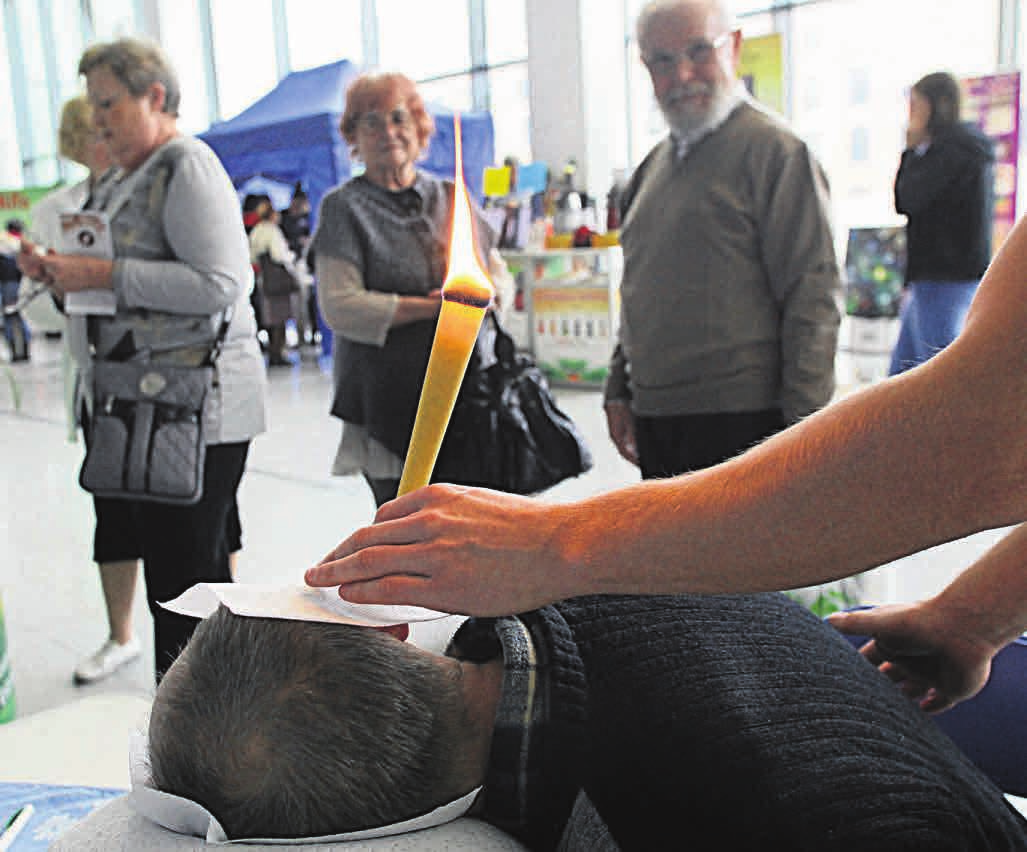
381, 250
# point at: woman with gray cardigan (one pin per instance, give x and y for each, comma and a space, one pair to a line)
180, 264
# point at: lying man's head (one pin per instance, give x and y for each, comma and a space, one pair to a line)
299, 729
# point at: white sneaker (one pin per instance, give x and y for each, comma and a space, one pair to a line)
111, 656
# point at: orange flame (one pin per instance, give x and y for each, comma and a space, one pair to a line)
466, 280
466, 294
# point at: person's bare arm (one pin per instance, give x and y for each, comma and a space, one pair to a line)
68, 273
934, 454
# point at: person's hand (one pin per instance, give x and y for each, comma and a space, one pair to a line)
621, 425
454, 549
67, 273
933, 660
30, 261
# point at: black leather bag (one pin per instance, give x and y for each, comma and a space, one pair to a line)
275, 278
506, 431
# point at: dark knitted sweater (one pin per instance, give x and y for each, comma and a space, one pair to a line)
722, 723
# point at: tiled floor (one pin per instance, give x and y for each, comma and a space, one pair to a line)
292, 512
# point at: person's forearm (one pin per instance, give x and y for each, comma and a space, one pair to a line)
809, 340
349, 308
904, 465
989, 599
926, 457
363, 315
415, 308
175, 287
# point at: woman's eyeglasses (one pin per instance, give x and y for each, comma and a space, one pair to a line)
376, 122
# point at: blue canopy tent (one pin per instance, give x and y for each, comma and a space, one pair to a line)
292, 134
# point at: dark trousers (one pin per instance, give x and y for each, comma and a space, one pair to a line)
184, 545
16, 330
668, 446
383, 490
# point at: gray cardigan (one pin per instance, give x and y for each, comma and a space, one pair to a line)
731, 290
181, 259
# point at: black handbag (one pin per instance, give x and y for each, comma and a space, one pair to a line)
146, 430
276, 280
506, 431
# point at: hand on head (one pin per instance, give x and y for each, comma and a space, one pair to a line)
454, 549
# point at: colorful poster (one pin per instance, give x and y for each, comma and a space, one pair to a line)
760, 67
875, 261
993, 104
573, 331
16, 203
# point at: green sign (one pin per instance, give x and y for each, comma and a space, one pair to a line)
17, 203
6, 678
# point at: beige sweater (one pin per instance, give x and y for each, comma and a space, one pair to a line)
730, 299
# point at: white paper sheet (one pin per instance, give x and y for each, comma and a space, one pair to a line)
184, 816
87, 232
297, 603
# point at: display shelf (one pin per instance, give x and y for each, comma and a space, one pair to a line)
566, 310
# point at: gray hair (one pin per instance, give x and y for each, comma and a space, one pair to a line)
722, 9
298, 729
138, 64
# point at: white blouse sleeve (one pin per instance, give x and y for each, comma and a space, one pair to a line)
349, 308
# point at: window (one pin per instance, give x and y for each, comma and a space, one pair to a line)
506, 34
511, 113
10, 165
112, 19
244, 52
860, 150
424, 39
450, 92
863, 48
182, 38
320, 32
67, 46
38, 140
433, 45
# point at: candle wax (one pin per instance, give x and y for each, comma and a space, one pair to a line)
455, 335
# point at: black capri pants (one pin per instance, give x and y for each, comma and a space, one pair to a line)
179, 545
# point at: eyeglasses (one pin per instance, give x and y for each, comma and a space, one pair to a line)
375, 122
699, 52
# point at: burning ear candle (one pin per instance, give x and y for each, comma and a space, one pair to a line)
466, 293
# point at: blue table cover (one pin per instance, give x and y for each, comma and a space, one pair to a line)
57, 808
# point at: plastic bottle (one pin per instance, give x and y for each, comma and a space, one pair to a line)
613, 201
568, 202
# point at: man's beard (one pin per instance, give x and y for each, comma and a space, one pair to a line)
686, 119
